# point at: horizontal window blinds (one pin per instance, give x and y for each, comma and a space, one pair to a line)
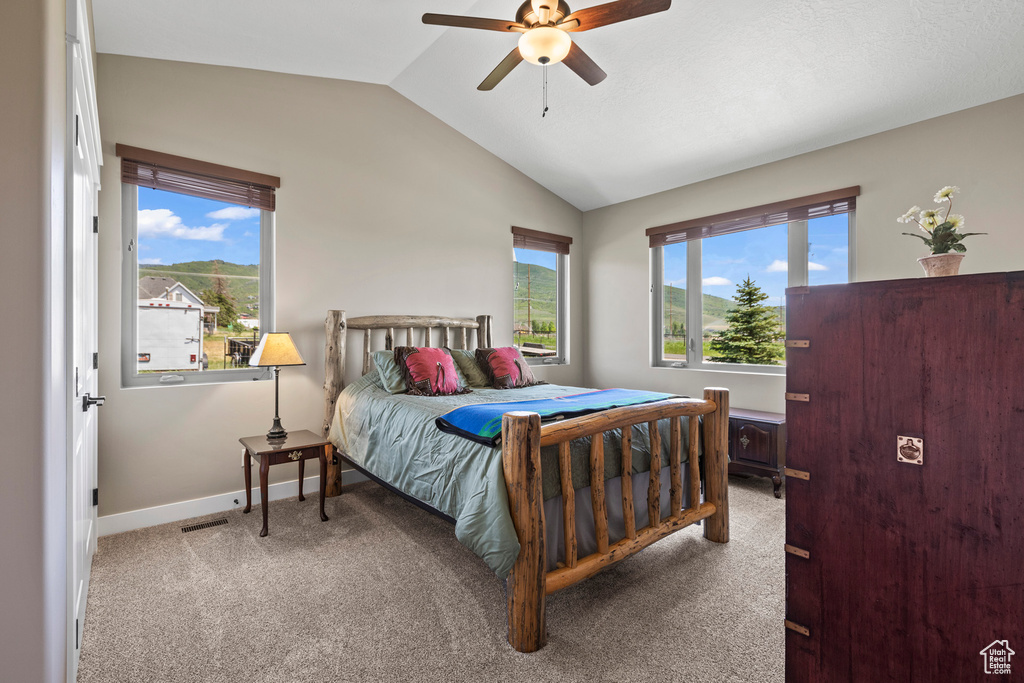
540, 241
800, 209
160, 171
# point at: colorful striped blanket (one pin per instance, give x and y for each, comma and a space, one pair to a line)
481, 422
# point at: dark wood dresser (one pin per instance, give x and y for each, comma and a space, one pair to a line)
905, 479
757, 444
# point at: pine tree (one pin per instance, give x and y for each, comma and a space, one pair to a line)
219, 296
753, 333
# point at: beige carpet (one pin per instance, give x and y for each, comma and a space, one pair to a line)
384, 592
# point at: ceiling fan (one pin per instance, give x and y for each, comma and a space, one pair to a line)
545, 25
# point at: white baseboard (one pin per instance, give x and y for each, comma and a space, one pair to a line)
187, 509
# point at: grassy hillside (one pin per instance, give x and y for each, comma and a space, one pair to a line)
541, 284
242, 281
715, 308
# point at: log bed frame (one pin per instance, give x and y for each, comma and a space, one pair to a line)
522, 437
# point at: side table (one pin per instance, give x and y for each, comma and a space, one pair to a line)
298, 446
757, 444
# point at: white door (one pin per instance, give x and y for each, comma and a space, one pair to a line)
82, 325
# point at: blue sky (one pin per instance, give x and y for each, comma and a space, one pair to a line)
176, 228
547, 259
762, 255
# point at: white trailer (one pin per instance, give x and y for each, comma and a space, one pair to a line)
170, 335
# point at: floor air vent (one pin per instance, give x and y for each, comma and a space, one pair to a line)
204, 525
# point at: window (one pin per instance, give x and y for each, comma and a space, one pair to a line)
197, 269
540, 285
718, 283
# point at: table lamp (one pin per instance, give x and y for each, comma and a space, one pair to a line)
276, 349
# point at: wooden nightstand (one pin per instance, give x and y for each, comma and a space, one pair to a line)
757, 444
297, 447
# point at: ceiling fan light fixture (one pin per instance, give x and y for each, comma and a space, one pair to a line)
544, 45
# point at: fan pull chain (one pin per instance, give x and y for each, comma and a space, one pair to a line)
545, 111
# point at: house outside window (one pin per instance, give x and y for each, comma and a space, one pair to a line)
540, 285
718, 283
197, 269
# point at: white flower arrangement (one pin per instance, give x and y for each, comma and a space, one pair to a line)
943, 232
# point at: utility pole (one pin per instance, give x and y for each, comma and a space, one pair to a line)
529, 324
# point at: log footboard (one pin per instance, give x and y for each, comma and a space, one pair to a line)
522, 437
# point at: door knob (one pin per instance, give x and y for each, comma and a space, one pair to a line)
88, 401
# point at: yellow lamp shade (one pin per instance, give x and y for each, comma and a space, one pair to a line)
544, 45
276, 348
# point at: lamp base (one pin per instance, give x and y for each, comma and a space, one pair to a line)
277, 432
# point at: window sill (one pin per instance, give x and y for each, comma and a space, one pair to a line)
762, 371
191, 379
546, 363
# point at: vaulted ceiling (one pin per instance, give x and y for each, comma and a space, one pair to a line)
703, 89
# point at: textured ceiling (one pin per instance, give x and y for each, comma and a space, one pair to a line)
692, 93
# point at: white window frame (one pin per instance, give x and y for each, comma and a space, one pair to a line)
130, 377
798, 249
561, 356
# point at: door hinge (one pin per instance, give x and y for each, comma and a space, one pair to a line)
95, 497
96, 224
96, 361
76, 130
76, 634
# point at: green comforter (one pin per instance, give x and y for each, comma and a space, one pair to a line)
394, 437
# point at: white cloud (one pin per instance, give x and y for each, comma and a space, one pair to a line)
715, 281
778, 266
151, 261
233, 213
811, 265
248, 234
163, 223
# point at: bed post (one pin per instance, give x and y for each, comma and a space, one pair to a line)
716, 465
483, 333
334, 375
525, 586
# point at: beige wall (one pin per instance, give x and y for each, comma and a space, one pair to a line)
33, 587
980, 149
382, 209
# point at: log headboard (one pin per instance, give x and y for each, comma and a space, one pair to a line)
454, 334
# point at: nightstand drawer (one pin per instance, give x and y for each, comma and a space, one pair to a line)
291, 455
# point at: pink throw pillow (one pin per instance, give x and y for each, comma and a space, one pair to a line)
429, 371
506, 368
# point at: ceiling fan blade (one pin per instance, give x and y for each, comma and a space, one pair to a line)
580, 62
472, 22
504, 69
613, 12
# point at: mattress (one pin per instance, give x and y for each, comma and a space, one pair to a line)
394, 437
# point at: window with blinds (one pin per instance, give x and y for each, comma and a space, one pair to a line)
540, 295
196, 269
718, 282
